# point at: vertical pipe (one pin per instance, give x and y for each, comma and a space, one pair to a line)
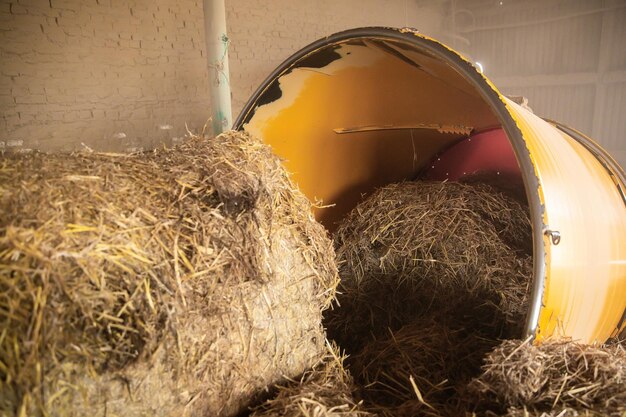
217, 56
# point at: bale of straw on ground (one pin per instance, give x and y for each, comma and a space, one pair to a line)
422, 247
553, 378
325, 390
173, 282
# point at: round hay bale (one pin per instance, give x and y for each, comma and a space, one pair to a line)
554, 376
435, 248
173, 282
325, 390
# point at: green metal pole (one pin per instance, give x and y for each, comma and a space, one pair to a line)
217, 55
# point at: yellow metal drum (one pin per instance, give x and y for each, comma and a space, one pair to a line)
370, 106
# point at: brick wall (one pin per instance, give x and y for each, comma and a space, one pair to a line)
112, 74
118, 75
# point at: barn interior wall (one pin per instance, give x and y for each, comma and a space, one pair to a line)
567, 57
110, 74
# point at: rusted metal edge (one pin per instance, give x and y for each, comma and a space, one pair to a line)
441, 128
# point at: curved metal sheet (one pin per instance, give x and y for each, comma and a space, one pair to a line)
585, 294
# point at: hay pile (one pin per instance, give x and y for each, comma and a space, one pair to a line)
557, 377
433, 275
426, 248
419, 369
323, 391
174, 282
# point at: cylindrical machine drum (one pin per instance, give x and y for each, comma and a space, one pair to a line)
366, 107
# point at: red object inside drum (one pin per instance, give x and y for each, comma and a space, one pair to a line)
485, 152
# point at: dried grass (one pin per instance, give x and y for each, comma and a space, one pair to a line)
323, 391
556, 377
173, 282
419, 369
510, 185
431, 248
562, 412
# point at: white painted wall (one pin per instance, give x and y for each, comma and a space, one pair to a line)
568, 57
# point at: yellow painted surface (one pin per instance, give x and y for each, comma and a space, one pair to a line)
368, 87
585, 293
